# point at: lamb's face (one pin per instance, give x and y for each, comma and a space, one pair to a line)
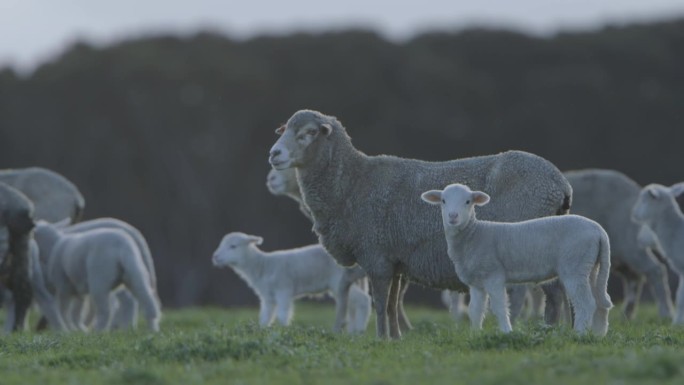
303, 128
233, 249
279, 182
650, 203
457, 202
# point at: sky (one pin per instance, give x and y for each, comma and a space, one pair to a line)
34, 31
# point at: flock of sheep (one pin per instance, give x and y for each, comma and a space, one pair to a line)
503, 227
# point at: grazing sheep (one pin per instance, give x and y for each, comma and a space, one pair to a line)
366, 210
279, 277
95, 262
54, 197
657, 208
16, 223
489, 255
284, 182
607, 197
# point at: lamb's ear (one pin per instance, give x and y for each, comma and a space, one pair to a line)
326, 128
480, 198
654, 193
677, 189
255, 239
280, 130
433, 197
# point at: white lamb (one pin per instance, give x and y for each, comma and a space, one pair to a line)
279, 277
94, 263
489, 255
657, 209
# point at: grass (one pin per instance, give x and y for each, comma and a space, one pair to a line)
225, 346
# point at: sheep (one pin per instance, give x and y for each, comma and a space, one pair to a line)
607, 196
284, 182
94, 262
657, 208
16, 223
489, 255
365, 212
279, 277
53, 196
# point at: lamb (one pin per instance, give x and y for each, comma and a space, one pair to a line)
53, 196
489, 255
365, 212
657, 208
16, 223
607, 196
278, 277
284, 182
94, 262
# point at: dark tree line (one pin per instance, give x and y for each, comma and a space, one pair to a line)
172, 134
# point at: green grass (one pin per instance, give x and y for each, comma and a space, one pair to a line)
225, 346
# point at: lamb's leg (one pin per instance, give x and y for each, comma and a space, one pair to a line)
582, 299
679, 307
656, 277
19, 281
284, 304
381, 287
77, 317
100, 298
126, 313
599, 323
555, 298
9, 317
141, 289
64, 305
518, 294
349, 276
266, 313
498, 298
404, 323
455, 302
392, 307
476, 308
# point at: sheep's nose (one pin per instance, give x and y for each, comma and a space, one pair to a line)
453, 216
274, 153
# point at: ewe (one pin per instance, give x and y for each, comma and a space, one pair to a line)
279, 277
94, 263
657, 208
489, 255
366, 209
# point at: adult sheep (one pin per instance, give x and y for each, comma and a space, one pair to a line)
54, 196
367, 209
657, 208
284, 182
607, 196
16, 223
93, 263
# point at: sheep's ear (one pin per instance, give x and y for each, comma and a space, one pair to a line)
433, 197
480, 198
677, 189
280, 130
63, 223
654, 193
326, 128
255, 239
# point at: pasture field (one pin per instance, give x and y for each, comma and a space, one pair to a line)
225, 346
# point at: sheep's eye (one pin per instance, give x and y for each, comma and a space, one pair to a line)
231, 246
443, 201
467, 202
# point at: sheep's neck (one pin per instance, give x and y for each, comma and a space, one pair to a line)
50, 238
670, 229
458, 240
253, 266
325, 183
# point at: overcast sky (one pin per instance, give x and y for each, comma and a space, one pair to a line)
32, 31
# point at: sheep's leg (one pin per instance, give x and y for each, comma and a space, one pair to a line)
679, 307
284, 304
476, 308
266, 313
498, 301
381, 288
518, 294
555, 298
656, 277
100, 297
9, 316
631, 286
349, 276
127, 310
19, 279
141, 289
582, 299
404, 323
392, 307
456, 303
76, 308
46, 301
64, 306
600, 319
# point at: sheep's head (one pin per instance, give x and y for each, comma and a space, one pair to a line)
654, 200
232, 249
457, 202
281, 182
299, 138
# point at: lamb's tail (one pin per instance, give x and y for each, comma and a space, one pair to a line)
138, 281
601, 284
